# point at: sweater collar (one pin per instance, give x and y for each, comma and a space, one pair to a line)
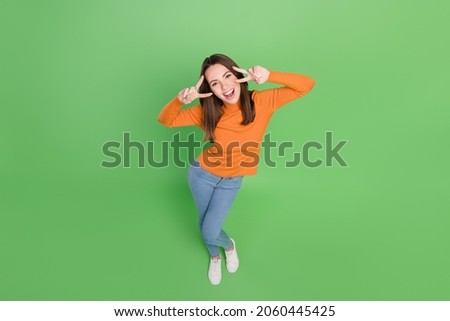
232, 107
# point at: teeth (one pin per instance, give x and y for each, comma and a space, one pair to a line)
228, 93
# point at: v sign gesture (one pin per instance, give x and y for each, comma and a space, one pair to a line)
188, 95
258, 74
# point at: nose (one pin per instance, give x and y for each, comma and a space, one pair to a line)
223, 86
226, 84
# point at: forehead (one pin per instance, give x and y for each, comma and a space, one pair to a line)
215, 72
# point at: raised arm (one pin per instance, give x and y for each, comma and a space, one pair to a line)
294, 85
172, 115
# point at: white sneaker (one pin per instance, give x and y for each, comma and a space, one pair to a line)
215, 270
232, 259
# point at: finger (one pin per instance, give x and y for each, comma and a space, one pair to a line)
242, 71
244, 79
197, 86
192, 91
205, 95
184, 92
251, 72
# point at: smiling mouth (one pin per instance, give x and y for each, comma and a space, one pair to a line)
229, 94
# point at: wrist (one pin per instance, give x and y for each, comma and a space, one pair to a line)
178, 100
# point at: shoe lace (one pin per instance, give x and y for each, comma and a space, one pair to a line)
215, 263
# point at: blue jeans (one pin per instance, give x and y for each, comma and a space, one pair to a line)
213, 197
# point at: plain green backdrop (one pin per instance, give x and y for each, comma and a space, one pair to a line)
77, 74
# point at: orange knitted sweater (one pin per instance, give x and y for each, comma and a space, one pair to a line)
236, 147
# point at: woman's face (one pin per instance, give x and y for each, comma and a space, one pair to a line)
223, 83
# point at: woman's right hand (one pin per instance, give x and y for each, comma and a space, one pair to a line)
188, 95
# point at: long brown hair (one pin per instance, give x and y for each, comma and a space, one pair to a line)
213, 107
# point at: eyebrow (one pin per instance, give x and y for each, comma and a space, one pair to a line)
222, 76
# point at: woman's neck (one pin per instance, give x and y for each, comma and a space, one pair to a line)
232, 107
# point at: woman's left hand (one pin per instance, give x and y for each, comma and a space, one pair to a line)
258, 74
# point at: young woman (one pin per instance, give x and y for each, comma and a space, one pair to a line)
234, 120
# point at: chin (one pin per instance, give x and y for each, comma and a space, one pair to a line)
232, 102
235, 100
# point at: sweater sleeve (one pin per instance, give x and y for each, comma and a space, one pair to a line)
295, 86
173, 116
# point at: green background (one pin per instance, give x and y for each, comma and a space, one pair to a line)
76, 74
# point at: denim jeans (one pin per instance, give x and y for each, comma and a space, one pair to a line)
213, 197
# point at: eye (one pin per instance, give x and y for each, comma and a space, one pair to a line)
228, 75
213, 84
